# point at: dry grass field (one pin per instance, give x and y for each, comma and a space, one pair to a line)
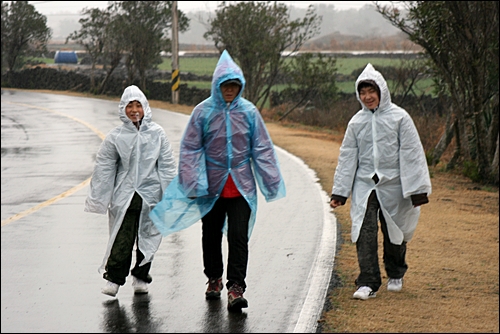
452, 282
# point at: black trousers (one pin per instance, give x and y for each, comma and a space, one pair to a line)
238, 213
367, 249
120, 258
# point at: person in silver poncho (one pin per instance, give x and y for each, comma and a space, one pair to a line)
382, 166
134, 166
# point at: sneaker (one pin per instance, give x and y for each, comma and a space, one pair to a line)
395, 284
140, 287
364, 292
214, 288
110, 289
235, 299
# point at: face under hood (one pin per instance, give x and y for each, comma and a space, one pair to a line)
226, 69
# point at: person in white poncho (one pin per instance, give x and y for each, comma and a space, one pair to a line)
382, 166
134, 166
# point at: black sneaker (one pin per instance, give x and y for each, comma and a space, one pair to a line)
214, 288
235, 299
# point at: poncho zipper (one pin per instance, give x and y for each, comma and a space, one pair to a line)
374, 142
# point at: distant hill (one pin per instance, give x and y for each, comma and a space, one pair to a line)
340, 42
351, 30
363, 22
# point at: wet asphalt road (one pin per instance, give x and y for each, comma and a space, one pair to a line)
51, 249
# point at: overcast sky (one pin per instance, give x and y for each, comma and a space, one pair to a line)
66, 7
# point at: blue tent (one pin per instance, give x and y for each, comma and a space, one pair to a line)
66, 57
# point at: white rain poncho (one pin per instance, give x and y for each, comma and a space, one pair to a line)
219, 140
386, 143
128, 161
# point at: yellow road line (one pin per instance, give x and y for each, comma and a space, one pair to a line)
46, 203
88, 125
64, 194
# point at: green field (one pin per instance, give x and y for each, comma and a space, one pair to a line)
42, 60
345, 65
198, 65
206, 66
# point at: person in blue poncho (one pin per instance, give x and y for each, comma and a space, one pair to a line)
225, 151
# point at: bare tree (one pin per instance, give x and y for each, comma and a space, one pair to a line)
145, 27
92, 36
461, 39
314, 76
24, 31
256, 34
114, 49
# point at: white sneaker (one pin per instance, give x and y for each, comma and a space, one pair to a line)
364, 292
140, 287
110, 289
395, 284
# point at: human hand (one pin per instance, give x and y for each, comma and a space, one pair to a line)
335, 203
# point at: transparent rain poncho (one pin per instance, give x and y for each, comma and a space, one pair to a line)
220, 139
386, 143
132, 160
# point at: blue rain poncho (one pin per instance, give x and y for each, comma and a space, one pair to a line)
386, 143
220, 139
132, 160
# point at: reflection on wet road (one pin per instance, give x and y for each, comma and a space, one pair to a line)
117, 320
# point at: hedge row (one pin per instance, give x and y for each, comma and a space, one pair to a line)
79, 81
64, 80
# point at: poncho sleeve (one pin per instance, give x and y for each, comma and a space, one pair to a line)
265, 162
193, 179
103, 178
415, 177
347, 165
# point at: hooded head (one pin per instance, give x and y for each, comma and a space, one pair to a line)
371, 77
133, 93
226, 71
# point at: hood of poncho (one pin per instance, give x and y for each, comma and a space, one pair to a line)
226, 69
133, 93
370, 73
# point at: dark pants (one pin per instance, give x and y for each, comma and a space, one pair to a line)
238, 214
120, 258
367, 249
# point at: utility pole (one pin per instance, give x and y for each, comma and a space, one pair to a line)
175, 55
